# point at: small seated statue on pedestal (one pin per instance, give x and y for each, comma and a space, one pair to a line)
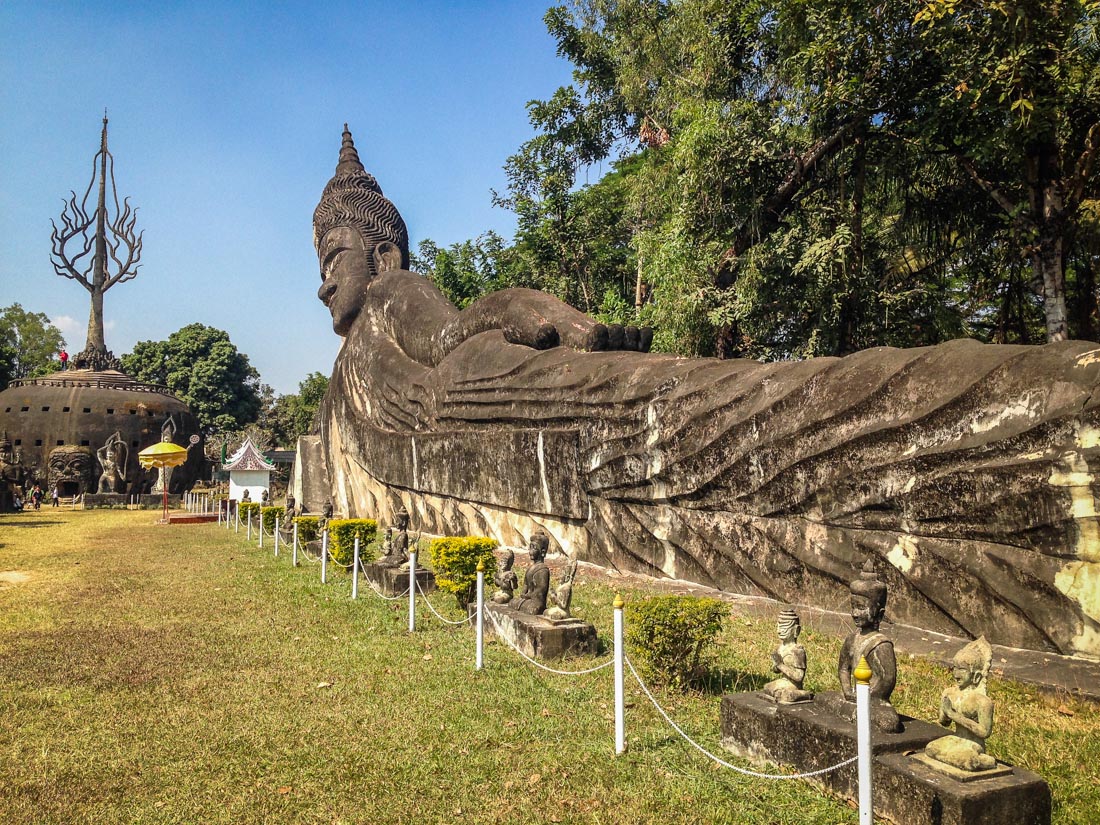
868, 610
967, 705
506, 580
789, 661
536, 581
246, 496
562, 596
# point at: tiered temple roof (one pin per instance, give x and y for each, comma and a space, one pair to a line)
248, 457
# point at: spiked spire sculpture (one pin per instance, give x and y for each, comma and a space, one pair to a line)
97, 250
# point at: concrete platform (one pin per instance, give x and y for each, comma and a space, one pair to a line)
393, 581
808, 737
539, 637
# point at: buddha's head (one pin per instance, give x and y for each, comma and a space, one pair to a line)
970, 667
868, 598
788, 625
538, 544
358, 235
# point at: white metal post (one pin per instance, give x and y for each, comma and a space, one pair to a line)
412, 591
324, 557
276, 537
862, 675
355, 571
237, 519
480, 658
248, 534
294, 546
260, 527
620, 703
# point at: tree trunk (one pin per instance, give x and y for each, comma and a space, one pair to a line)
95, 322
1047, 263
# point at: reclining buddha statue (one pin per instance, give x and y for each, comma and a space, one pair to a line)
965, 469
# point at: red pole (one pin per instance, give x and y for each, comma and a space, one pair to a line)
165, 503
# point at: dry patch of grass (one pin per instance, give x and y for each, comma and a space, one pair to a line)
153, 674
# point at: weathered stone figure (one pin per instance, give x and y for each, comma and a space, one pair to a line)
246, 495
289, 509
868, 610
536, 581
71, 469
112, 458
789, 661
778, 478
967, 705
562, 595
506, 580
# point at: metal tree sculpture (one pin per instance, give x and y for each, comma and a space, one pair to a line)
114, 247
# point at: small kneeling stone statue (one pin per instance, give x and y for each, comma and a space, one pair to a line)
789, 661
562, 596
506, 580
967, 705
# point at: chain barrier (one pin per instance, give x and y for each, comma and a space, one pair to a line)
717, 759
499, 635
424, 596
374, 589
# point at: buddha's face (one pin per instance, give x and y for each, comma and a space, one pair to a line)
865, 612
347, 269
788, 632
536, 549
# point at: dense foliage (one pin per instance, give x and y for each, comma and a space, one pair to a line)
286, 417
454, 561
672, 637
791, 179
29, 344
202, 366
341, 539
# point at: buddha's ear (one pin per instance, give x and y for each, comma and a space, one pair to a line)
387, 257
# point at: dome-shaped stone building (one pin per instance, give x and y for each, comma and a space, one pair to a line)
82, 430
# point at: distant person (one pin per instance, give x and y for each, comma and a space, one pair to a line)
64, 356
18, 504
36, 496
55, 495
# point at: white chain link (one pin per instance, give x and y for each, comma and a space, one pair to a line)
424, 596
717, 759
496, 629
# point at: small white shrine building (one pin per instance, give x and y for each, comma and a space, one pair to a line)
248, 470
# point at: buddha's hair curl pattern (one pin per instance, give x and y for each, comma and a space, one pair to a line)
356, 200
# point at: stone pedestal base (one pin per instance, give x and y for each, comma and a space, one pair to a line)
391, 580
539, 637
808, 737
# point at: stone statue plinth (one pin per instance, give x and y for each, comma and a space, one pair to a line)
393, 580
538, 636
808, 736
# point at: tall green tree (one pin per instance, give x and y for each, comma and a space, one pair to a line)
1015, 100
288, 416
813, 178
202, 366
29, 344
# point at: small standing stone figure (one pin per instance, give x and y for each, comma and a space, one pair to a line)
326, 516
789, 661
265, 497
536, 581
507, 580
399, 549
967, 705
112, 458
562, 596
289, 509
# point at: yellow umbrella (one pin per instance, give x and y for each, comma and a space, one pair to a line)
163, 454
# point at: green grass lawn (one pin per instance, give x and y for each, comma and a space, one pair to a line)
180, 675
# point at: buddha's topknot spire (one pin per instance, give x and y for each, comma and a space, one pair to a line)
349, 158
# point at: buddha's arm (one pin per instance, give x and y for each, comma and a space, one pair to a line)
527, 317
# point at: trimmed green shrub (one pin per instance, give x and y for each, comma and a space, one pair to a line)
307, 528
672, 637
454, 561
248, 508
341, 538
269, 514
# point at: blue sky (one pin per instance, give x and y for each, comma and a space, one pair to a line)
225, 123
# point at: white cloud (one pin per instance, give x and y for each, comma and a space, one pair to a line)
68, 325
